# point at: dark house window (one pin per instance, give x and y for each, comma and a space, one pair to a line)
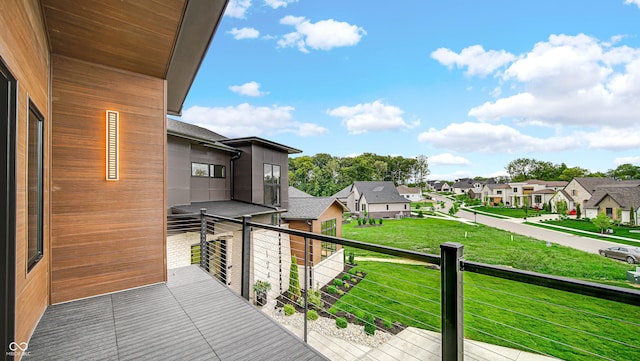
538, 199
272, 184
199, 170
328, 228
35, 179
217, 171
609, 212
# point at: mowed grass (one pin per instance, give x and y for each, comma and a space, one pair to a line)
510, 212
590, 227
497, 311
489, 245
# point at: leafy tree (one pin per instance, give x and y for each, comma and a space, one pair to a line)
525, 206
578, 211
625, 171
632, 216
601, 221
574, 172
561, 208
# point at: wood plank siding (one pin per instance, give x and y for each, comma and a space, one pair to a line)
106, 236
24, 50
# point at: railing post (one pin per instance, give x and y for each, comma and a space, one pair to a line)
204, 246
451, 302
306, 285
246, 257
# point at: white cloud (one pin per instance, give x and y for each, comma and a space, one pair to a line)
237, 8
629, 2
279, 3
244, 33
491, 138
475, 58
374, 116
627, 160
571, 80
322, 35
248, 120
614, 138
251, 89
447, 159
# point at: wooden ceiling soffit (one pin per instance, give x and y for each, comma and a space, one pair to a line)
133, 35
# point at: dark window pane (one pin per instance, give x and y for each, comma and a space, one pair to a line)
35, 179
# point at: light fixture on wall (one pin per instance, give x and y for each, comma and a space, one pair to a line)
113, 145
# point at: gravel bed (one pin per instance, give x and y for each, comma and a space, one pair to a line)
327, 326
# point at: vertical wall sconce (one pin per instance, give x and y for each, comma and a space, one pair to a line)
112, 145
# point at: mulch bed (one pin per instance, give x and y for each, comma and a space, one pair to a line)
329, 299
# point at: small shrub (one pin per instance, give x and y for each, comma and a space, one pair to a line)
289, 310
420, 214
354, 280
360, 274
337, 282
312, 315
332, 289
372, 221
341, 322
352, 258
347, 286
387, 324
380, 221
332, 311
340, 292
346, 277
369, 325
352, 271
315, 299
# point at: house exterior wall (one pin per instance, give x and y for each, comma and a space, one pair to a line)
106, 236
249, 173
24, 50
578, 193
271, 257
182, 187
608, 202
390, 210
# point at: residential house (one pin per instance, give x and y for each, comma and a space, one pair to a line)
619, 201
438, 186
85, 91
414, 194
227, 177
494, 194
461, 186
322, 215
579, 191
377, 199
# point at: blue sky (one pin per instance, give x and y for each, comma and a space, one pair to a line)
470, 84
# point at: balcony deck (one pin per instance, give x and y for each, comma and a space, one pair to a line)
192, 317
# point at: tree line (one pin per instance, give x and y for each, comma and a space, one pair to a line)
324, 175
522, 169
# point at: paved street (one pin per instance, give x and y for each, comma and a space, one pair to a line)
515, 225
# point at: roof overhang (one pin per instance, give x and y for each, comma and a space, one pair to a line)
262, 142
162, 39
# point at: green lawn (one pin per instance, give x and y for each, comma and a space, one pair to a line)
510, 212
590, 227
489, 245
497, 310
410, 294
421, 204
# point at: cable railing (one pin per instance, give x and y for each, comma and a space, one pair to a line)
354, 300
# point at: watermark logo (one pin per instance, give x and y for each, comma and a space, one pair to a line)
18, 349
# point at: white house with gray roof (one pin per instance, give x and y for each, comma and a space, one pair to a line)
378, 199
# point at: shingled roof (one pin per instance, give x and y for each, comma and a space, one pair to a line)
379, 192
626, 195
310, 207
591, 183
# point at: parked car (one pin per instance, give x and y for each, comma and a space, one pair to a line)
629, 254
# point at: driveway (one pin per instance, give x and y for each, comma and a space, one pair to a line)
515, 225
